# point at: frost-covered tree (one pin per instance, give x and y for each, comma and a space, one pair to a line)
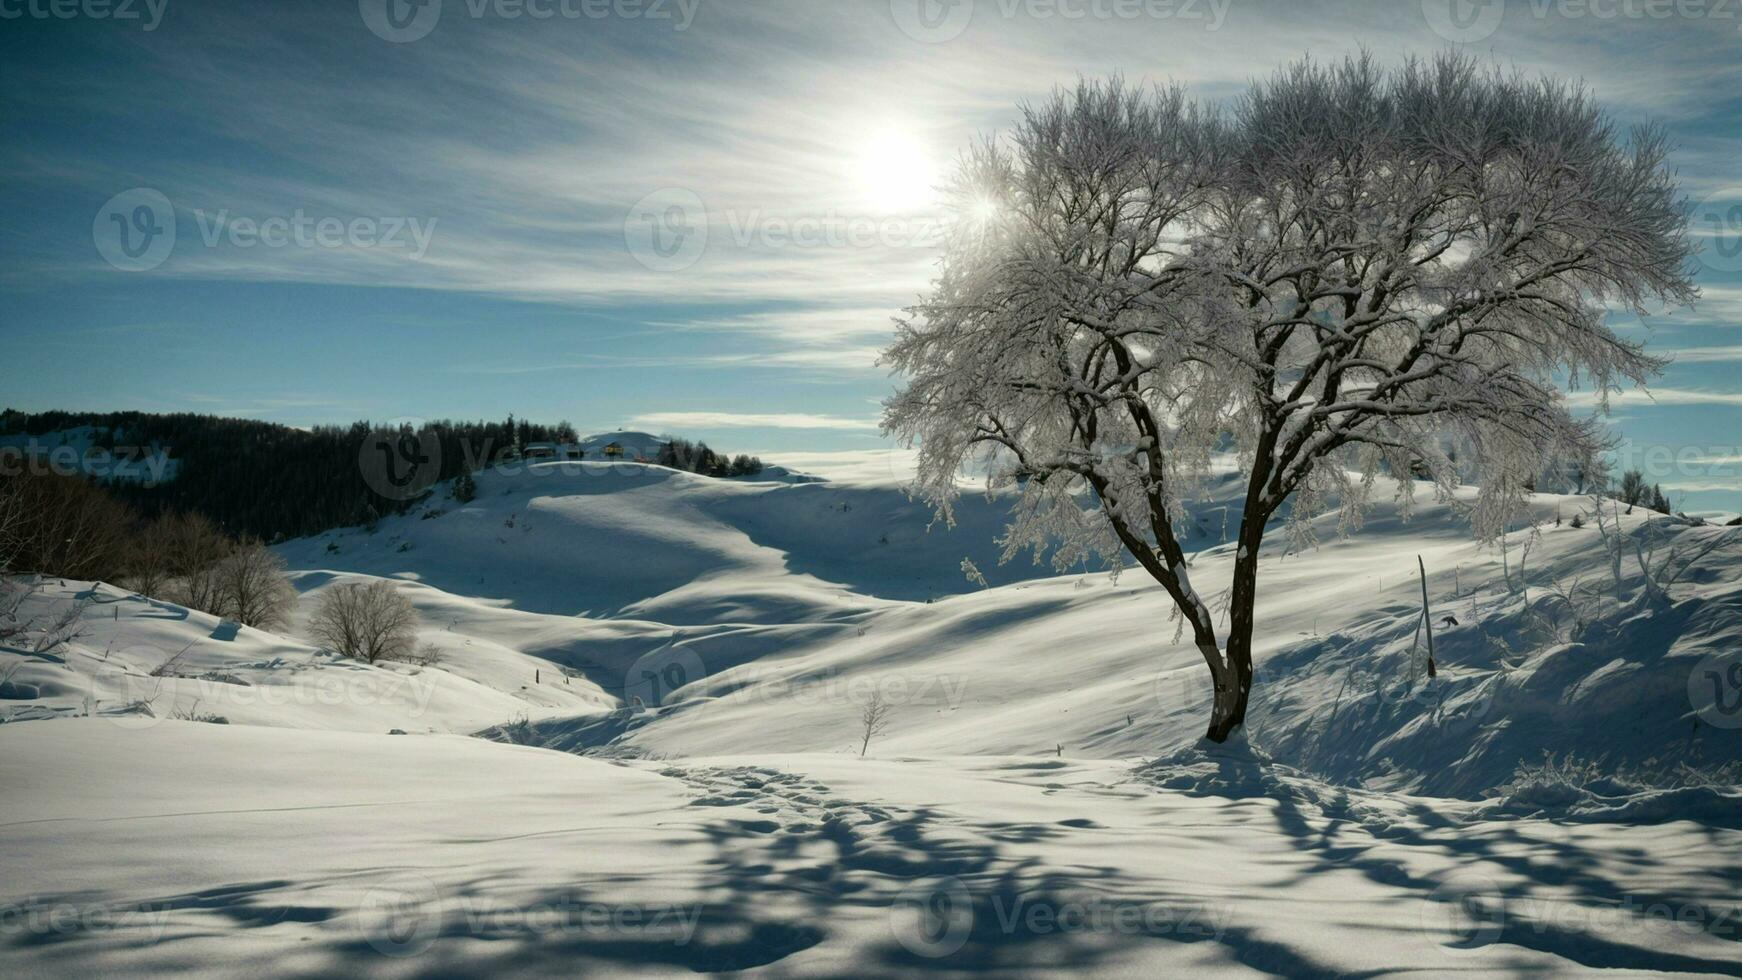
1345, 272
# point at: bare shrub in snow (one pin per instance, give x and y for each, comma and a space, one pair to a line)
1347, 272
191, 550
11, 522
875, 718
62, 525
252, 588
369, 622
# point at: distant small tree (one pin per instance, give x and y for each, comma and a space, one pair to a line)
1633, 489
465, 488
1659, 502
195, 548
369, 622
149, 560
252, 587
875, 718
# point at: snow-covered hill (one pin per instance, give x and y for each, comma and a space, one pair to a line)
710, 645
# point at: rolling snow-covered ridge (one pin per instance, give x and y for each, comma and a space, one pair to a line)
632, 609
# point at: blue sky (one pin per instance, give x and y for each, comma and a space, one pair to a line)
466, 209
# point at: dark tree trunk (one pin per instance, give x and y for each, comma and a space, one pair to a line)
1233, 674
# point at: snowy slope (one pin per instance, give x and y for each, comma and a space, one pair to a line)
760, 616
206, 850
697, 653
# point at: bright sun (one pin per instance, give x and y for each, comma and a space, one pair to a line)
895, 173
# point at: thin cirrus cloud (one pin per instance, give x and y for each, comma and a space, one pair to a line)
1635, 398
752, 420
1708, 355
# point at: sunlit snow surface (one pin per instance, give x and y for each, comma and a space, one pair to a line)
683, 662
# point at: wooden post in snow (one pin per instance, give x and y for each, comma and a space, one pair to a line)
1427, 617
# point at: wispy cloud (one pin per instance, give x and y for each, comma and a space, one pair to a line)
1641, 398
1707, 355
738, 420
